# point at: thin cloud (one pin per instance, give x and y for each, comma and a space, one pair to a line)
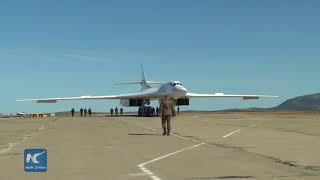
26, 55
88, 58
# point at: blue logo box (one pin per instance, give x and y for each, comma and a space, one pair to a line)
35, 160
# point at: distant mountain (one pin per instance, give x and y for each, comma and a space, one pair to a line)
302, 103
309, 102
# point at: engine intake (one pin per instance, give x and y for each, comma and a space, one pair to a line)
134, 102
182, 102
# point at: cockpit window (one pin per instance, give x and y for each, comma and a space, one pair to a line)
176, 83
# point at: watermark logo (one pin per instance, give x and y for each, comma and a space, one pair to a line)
35, 160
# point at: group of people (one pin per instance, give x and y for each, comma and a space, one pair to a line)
148, 111
83, 112
116, 111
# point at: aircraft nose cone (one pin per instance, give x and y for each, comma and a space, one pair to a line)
182, 90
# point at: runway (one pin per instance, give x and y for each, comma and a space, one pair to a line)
202, 146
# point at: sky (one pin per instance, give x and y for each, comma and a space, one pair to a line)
74, 48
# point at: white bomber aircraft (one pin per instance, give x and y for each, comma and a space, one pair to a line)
172, 90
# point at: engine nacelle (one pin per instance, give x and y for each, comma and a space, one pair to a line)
182, 102
134, 102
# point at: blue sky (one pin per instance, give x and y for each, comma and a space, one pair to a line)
73, 48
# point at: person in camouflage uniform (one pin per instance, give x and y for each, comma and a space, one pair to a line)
167, 110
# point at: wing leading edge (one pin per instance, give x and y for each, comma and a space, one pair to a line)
145, 94
222, 95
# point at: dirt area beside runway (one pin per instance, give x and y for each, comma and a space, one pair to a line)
203, 146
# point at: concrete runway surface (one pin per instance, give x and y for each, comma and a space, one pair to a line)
204, 146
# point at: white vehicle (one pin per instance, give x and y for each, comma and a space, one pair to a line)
21, 114
174, 90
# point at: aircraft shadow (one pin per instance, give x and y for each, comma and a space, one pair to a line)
143, 134
129, 115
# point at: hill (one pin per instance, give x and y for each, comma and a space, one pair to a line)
309, 102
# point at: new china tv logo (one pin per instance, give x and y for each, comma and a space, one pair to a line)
35, 160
